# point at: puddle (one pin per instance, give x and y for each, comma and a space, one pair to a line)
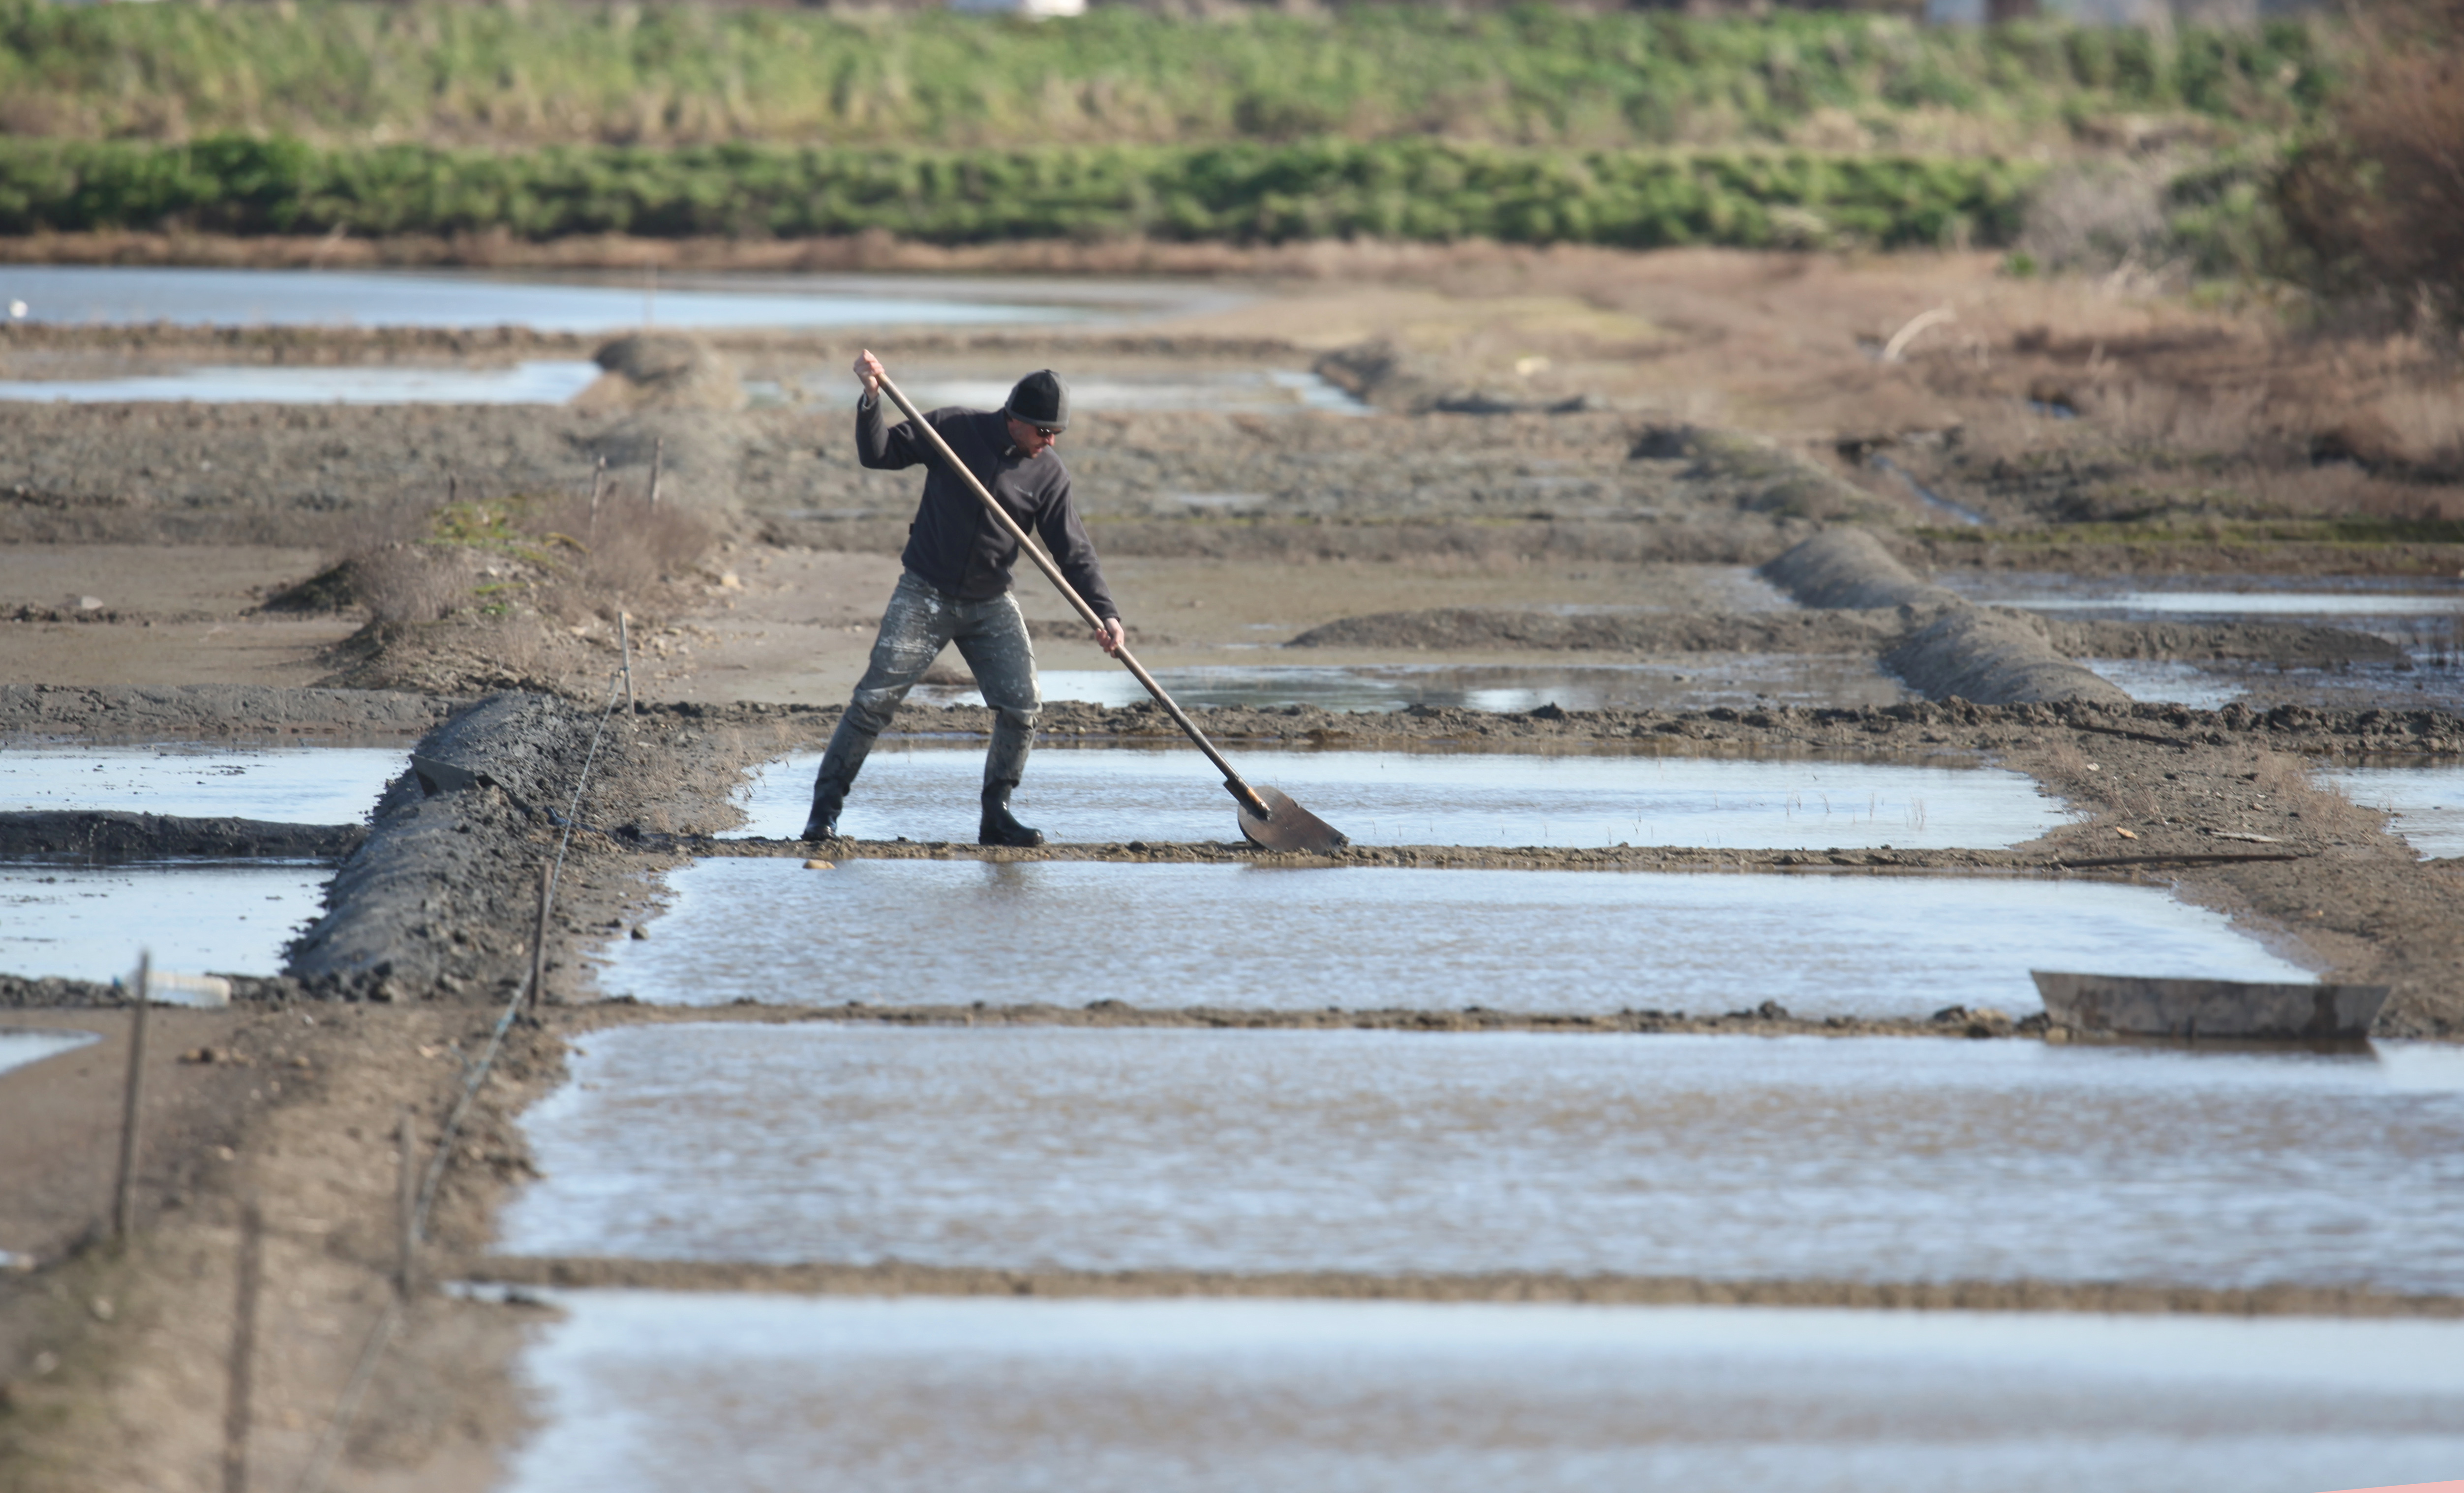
2167, 682
947, 933
190, 297
2427, 802
18, 1049
647, 1391
285, 785
84, 923
2343, 600
1114, 793
1245, 391
1400, 1153
523, 384
1679, 682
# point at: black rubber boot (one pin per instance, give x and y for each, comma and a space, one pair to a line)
829, 795
1002, 827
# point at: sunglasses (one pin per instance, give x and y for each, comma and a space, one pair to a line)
1047, 432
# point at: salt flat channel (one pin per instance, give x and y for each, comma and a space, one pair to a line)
1390, 1152
1671, 682
2427, 802
17, 1048
1114, 793
90, 922
647, 1392
289, 785
532, 383
948, 933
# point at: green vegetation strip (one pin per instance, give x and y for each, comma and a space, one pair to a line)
1402, 189
542, 73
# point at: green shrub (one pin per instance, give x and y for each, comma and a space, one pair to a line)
446, 72
1243, 192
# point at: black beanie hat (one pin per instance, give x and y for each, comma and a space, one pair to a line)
1039, 399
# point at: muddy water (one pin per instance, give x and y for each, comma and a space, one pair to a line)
644, 1391
19, 1048
1677, 682
1873, 1160
86, 923
542, 383
1110, 793
290, 785
936, 932
2427, 802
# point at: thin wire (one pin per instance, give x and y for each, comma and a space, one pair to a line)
329, 1444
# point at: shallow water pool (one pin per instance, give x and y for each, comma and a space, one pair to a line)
196, 297
947, 933
2427, 802
17, 1048
541, 382
1867, 1159
87, 923
1112, 795
288, 785
1677, 682
642, 1391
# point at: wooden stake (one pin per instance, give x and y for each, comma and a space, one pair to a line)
406, 1205
237, 1413
538, 939
658, 461
624, 642
598, 489
132, 1104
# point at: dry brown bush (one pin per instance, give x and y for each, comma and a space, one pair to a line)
626, 549
2380, 202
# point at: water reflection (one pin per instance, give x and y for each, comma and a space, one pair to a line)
288, 785
2427, 802
1113, 795
84, 923
1868, 1159
17, 1048
947, 933
1681, 682
545, 383
573, 303
643, 1391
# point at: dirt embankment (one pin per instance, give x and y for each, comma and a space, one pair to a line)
214, 712
117, 836
1952, 648
2291, 645
1478, 629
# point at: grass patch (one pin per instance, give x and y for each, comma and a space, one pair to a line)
1244, 193
1532, 75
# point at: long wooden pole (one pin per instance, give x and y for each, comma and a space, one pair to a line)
132, 1104
238, 1408
1233, 782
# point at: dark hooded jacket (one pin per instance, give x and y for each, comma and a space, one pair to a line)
953, 544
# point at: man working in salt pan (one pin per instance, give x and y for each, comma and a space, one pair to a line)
957, 588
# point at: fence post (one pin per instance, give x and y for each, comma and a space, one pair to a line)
538, 939
237, 1411
132, 1104
625, 642
407, 1202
